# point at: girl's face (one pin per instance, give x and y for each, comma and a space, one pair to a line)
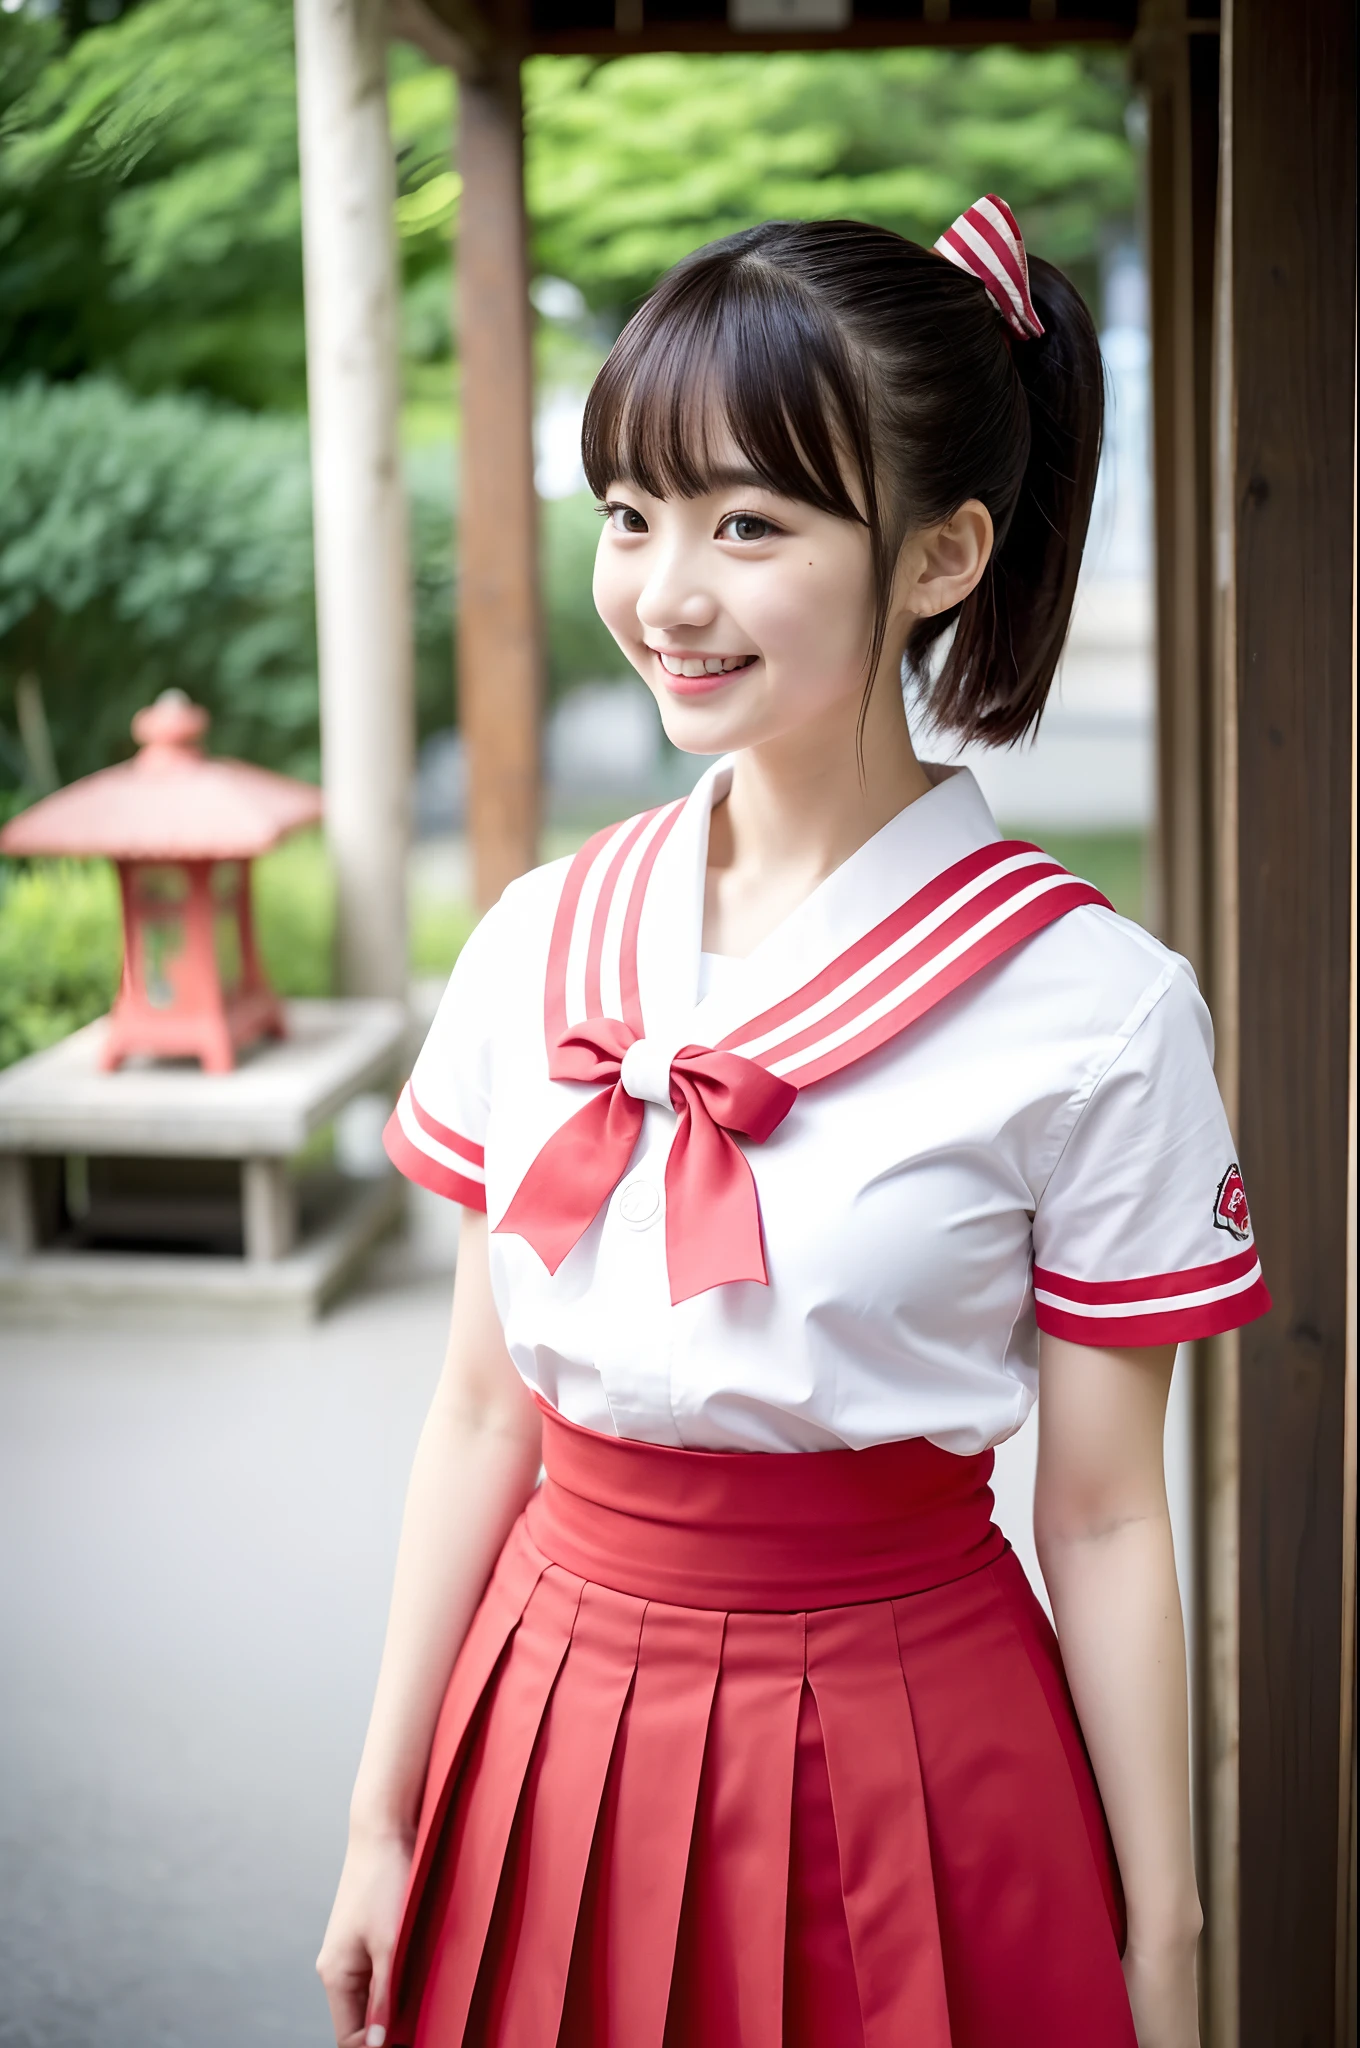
746, 614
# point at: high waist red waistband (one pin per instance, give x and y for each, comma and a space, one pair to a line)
760, 1530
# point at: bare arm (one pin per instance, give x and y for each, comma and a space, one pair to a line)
1103, 1533
474, 1468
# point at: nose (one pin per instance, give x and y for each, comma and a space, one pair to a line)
674, 593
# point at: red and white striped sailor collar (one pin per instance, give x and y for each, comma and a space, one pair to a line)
924, 905
924, 840
628, 927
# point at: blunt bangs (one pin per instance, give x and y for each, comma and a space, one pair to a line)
848, 369
730, 346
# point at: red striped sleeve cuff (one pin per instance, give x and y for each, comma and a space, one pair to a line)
434, 1156
1164, 1308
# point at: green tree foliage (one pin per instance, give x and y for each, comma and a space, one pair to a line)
150, 208
148, 543
149, 200
165, 541
61, 945
149, 244
633, 164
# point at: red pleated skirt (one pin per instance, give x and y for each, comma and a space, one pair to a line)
759, 1751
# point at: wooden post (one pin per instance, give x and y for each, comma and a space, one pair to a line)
1179, 72
1285, 423
359, 509
500, 662
1179, 75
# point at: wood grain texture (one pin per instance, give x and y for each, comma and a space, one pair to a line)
500, 641
1179, 74
1291, 307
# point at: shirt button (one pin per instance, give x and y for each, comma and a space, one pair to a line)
639, 1203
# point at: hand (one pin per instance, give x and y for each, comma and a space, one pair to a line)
1161, 1985
356, 1956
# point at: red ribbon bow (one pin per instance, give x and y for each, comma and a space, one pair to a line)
713, 1232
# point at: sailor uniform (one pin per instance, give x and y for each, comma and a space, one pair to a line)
763, 1750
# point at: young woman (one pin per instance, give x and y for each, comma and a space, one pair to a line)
803, 1129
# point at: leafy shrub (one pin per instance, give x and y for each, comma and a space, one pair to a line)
145, 543
149, 542
61, 946
439, 931
294, 905
150, 200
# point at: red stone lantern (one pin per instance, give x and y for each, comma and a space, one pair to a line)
183, 829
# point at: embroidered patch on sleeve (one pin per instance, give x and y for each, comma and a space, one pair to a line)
1230, 1205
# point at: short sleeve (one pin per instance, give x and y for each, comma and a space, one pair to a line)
436, 1135
1142, 1234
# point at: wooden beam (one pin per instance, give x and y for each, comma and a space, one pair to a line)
500, 653
458, 40
412, 21
716, 39
1285, 421
364, 633
563, 30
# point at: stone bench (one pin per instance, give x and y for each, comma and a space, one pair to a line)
164, 1157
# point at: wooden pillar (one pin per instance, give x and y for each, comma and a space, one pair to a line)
500, 658
1284, 516
1178, 70
359, 509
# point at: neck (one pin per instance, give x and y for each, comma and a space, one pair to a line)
800, 805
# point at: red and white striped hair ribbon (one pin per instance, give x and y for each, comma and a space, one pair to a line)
987, 243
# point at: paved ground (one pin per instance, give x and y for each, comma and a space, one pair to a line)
198, 1535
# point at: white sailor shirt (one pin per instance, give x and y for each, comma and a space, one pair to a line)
1040, 1145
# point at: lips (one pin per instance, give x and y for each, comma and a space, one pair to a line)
699, 675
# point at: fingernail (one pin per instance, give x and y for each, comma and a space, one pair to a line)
375, 2037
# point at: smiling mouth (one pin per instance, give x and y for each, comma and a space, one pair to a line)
691, 665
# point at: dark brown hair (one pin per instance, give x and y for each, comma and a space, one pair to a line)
865, 375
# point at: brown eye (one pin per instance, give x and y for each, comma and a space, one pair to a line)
626, 519
746, 526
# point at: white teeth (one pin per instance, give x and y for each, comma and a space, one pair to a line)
701, 665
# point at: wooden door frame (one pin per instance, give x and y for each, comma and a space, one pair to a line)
1253, 290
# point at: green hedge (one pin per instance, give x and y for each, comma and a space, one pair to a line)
60, 948
149, 542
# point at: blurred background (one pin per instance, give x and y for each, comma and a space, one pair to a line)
199, 1529
154, 487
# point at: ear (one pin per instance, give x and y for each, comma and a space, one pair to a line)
942, 564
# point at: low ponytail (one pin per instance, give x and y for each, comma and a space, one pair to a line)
1009, 636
